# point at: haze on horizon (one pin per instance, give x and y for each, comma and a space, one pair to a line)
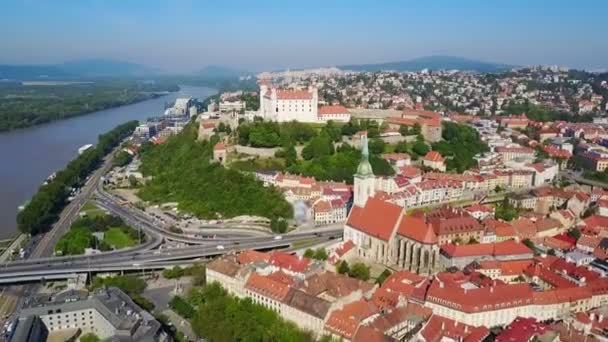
184, 36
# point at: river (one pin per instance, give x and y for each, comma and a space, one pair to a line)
30, 155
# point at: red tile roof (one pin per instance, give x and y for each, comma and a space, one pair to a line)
447, 220
251, 256
378, 218
288, 94
289, 262
324, 110
477, 207
267, 287
521, 329
504, 248
410, 171
345, 321
439, 327
479, 299
415, 228
433, 156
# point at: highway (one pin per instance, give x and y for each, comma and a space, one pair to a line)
150, 255
47, 244
148, 259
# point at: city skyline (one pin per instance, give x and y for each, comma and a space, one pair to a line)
186, 36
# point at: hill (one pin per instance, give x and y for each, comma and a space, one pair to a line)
433, 63
182, 172
220, 71
85, 68
105, 68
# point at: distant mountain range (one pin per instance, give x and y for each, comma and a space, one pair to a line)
220, 71
94, 68
433, 63
85, 68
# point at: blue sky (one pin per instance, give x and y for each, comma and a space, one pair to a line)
185, 35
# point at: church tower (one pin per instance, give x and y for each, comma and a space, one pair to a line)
364, 178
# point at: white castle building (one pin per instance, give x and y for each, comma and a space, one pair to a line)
288, 104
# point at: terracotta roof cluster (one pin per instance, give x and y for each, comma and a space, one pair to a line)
477, 207
506, 267
339, 252
226, 266
504, 248
521, 329
479, 299
288, 94
434, 156
377, 218
439, 327
393, 157
594, 224
514, 149
267, 287
410, 172
555, 152
289, 262
250, 256
332, 285
332, 110
416, 228
385, 321
344, 322
448, 220
307, 303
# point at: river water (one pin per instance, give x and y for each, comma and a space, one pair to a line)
28, 156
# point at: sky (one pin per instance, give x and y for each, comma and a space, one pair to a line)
186, 35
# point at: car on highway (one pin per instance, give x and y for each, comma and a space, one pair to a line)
278, 237
219, 247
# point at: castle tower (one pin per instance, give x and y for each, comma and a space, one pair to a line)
364, 178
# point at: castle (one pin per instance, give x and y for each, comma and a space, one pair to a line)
283, 105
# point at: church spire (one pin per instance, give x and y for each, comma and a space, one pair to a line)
364, 168
364, 149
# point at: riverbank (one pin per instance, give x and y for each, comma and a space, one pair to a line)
26, 106
32, 154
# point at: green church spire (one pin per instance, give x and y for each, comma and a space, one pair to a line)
364, 168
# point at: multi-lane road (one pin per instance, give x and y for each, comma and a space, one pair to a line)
151, 254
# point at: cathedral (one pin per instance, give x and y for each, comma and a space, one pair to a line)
382, 232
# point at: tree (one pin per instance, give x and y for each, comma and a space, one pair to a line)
291, 156
574, 233
89, 337
505, 210
278, 225
342, 267
320, 254
404, 130
319, 146
376, 146
472, 241
333, 131
551, 252
219, 316
133, 181
416, 129
382, 277
529, 244
420, 148
309, 253
173, 273
360, 271
122, 158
